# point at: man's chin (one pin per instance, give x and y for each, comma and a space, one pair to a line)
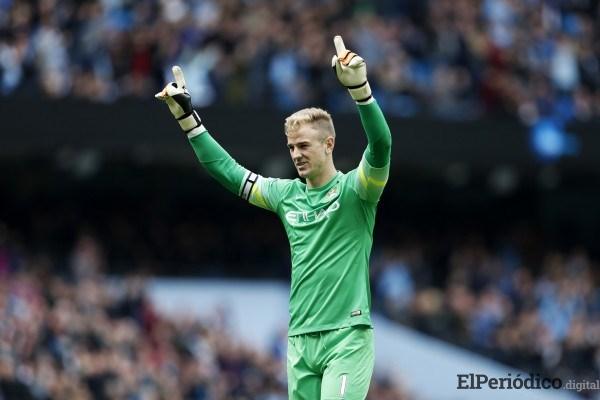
302, 174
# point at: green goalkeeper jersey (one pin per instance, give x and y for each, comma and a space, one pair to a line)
330, 228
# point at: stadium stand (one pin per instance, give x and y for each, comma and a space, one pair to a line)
483, 243
84, 336
455, 59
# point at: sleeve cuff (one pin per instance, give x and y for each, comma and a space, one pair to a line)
197, 131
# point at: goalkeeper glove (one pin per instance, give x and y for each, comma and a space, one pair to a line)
179, 101
351, 71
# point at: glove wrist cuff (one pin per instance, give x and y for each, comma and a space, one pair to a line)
361, 93
187, 122
191, 124
196, 131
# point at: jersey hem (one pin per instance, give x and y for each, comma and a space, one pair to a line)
329, 327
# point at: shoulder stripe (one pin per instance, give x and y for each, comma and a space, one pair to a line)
365, 180
257, 198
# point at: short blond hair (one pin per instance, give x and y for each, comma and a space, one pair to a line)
318, 117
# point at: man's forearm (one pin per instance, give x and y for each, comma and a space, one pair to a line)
219, 164
378, 134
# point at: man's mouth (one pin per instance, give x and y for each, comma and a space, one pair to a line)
300, 165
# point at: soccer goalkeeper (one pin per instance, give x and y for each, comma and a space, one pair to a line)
329, 222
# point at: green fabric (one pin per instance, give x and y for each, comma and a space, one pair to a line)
378, 134
335, 364
371, 180
219, 164
330, 231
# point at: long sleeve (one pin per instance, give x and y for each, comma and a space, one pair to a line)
373, 171
257, 190
219, 164
378, 133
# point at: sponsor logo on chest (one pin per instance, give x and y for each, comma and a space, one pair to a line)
304, 217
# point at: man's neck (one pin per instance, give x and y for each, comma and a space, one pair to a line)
322, 179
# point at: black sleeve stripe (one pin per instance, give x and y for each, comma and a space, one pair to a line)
248, 185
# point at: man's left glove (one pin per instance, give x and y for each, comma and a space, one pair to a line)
351, 71
179, 101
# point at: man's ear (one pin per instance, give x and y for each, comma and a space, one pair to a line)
329, 144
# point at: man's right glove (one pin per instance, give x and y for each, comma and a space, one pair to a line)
179, 101
351, 71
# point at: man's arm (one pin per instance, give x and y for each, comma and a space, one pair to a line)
378, 133
373, 170
262, 192
221, 166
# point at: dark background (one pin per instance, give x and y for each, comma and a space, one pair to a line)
124, 173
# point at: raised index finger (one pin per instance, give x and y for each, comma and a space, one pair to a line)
178, 74
340, 49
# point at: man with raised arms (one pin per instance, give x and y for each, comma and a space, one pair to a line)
328, 218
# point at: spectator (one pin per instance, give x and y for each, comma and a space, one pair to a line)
453, 59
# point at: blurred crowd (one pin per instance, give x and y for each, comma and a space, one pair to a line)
505, 278
455, 59
69, 331
540, 317
77, 333
82, 335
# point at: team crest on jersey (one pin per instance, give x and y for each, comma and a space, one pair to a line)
332, 193
310, 216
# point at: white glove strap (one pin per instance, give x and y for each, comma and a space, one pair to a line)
190, 122
196, 131
191, 125
361, 93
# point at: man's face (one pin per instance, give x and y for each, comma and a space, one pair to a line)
309, 150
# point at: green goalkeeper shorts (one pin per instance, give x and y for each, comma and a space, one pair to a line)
328, 365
